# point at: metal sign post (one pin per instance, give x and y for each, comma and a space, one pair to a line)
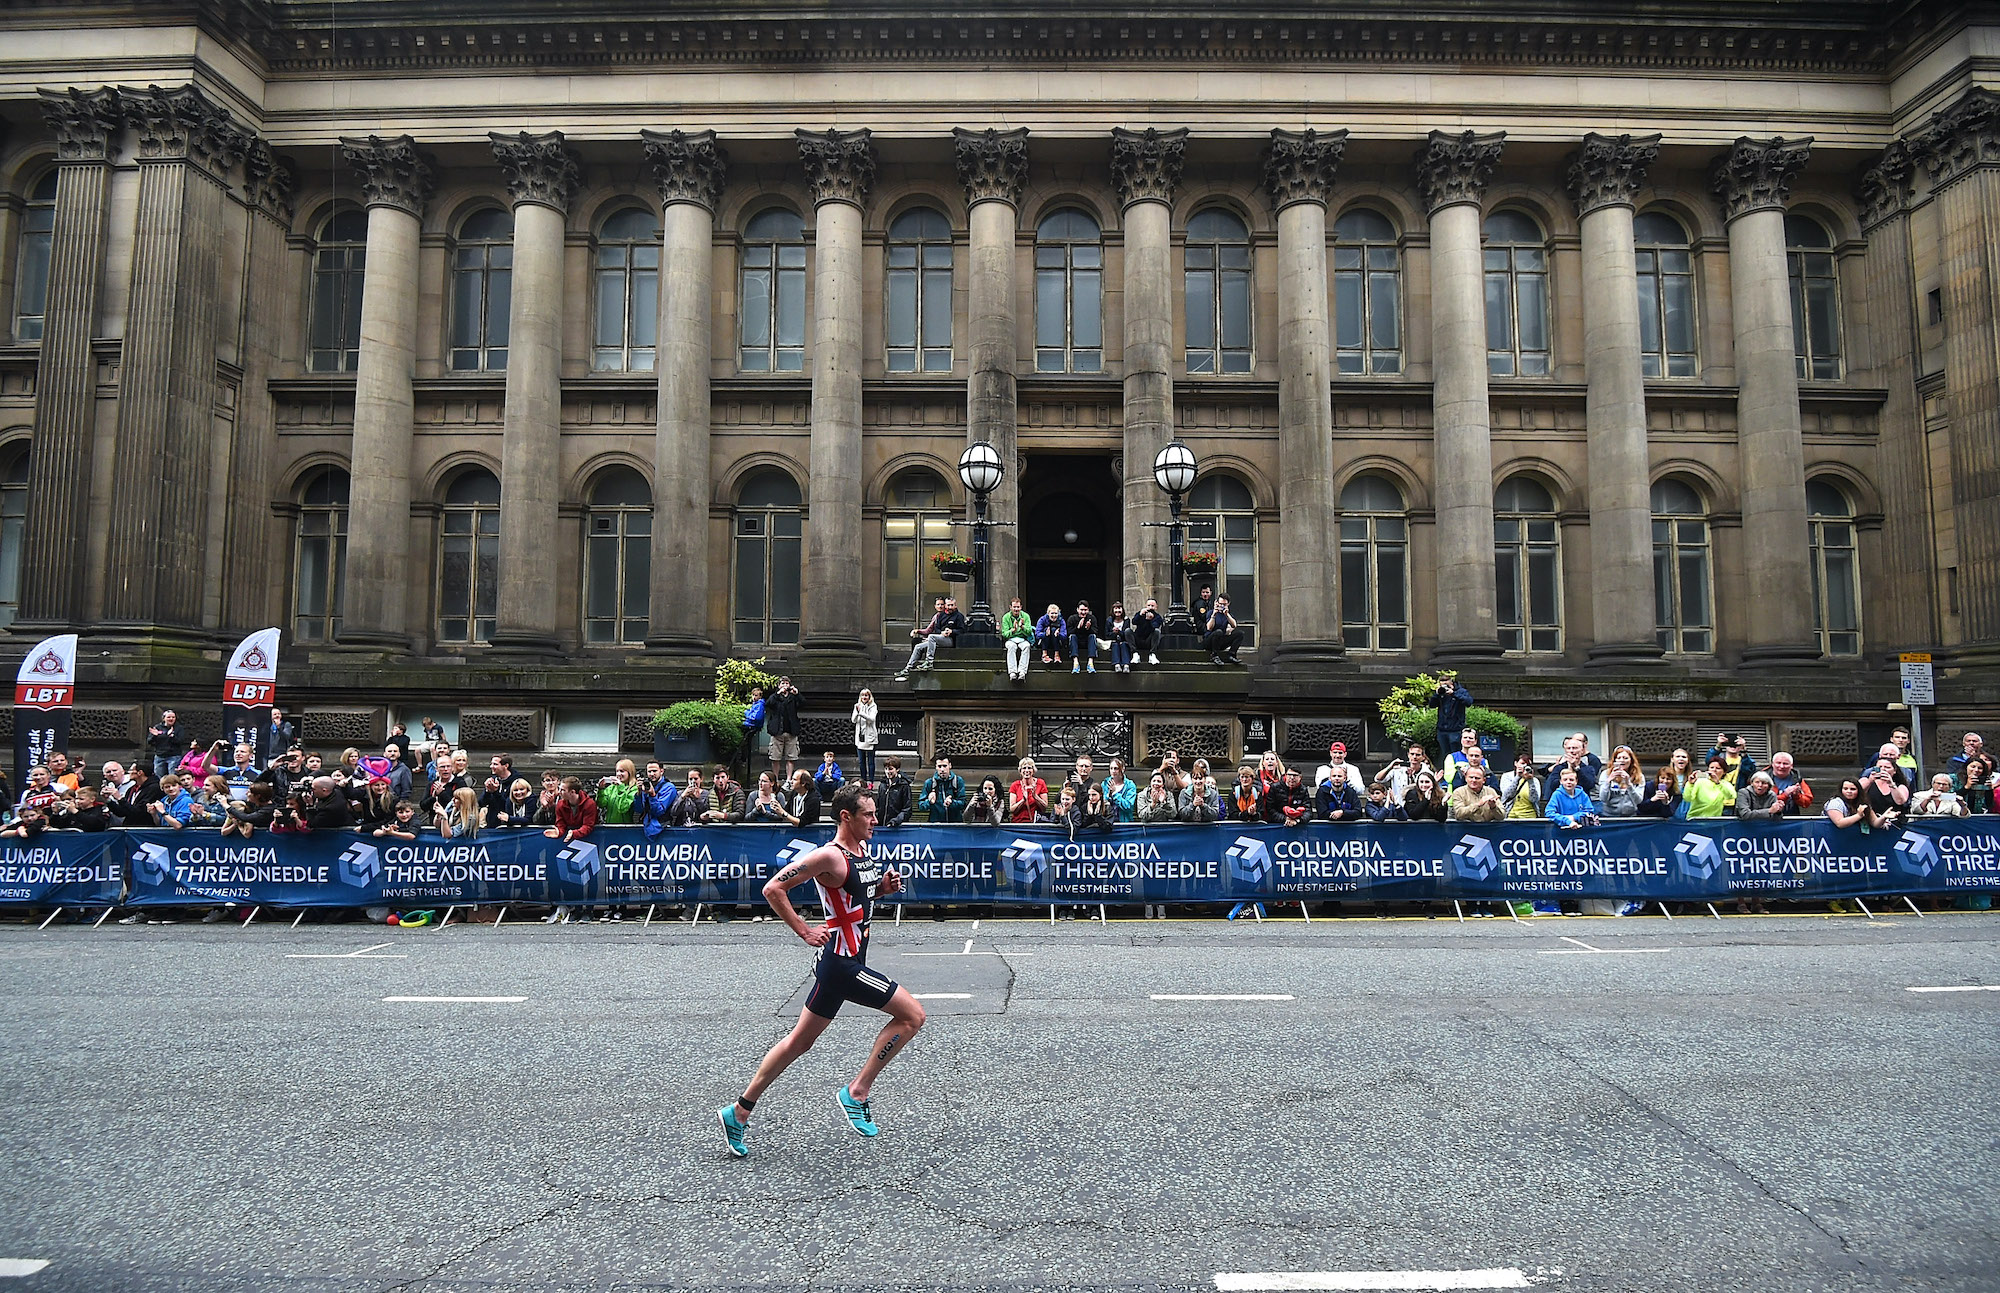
1918, 691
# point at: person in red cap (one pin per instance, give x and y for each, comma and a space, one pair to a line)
1337, 767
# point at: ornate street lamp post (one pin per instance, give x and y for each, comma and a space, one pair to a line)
1174, 469
980, 468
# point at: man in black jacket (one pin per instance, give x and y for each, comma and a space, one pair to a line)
893, 797
279, 737
326, 808
166, 743
781, 720
1147, 626
142, 788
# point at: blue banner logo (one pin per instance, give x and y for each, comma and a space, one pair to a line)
578, 862
1699, 857
154, 863
795, 850
1025, 860
1474, 858
360, 864
1249, 860
1917, 854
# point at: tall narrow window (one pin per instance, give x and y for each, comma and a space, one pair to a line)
1666, 296
1684, 608
617, 559
772, 325
1069, 295
916, 524
919, 290
1517, 296
319, 557
1218, 294
1836, 571
1222, 518
769, 531
1815, 299
340, 257
1367, 294
1374, 566
628, 292
1527, 566
482, 291
469, 558
31, 290
13, 530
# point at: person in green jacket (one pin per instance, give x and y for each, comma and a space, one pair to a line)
1712, 795
614, 797
1019, 631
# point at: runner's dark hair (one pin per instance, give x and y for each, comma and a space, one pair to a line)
848, 799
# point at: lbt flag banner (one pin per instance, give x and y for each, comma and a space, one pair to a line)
249, 689
44, 691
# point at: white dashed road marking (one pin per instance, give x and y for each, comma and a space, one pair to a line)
1227, 996
363, 955
1504, 1278
1584, 949
1983, 987
16, 1267
942, 996
491, 1000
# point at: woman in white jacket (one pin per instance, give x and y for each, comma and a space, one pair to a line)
866, 734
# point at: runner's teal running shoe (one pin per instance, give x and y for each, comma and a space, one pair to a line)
857, 1113
732, 1130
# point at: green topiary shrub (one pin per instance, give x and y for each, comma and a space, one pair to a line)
723, 723
1409, 716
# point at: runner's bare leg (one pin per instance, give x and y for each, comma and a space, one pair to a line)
905, 1017
780, 1057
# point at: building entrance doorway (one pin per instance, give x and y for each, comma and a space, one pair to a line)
1072, 534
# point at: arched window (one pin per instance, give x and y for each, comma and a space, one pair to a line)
769, 530
919, 292
1222, 518
772, 326
1666, 296
915, 524
1517, 296
1836, 571
1218, 296
1367, 294
1069, 295
13, 530
469, 558
1374, 566
617, 559
319, 556
628, 292
31, 290
1527, 566
1815, 299
1683, 605
482, 289
340, 261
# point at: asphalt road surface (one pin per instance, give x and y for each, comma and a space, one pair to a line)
1568, 1104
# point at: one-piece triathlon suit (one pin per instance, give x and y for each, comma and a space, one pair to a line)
842, 973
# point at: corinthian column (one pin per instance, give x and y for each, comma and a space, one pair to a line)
542, 175
1452, 172
840, 166
1604, 178
1753, 181
59, 469
993, 167
690, 170
396, 182
1146, 168
1298, 174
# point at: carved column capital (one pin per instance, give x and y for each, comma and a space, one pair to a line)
992, 164
1884, 189
1299, 166
181, 125
541, 170
1454, 168
1146, 164
1960, 139
83, 121
269, 180
1609, 170
687, 167
393, 172
840, 165
1757, 174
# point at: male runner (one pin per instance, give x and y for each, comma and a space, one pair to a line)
849, 881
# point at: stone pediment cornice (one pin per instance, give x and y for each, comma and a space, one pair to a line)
1836, 34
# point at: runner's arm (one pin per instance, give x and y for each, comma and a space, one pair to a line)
815, 865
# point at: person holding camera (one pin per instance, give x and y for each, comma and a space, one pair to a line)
1083, 639
988, 806
1571, 806
781, 720
616, 795
1886, 792
1397, 776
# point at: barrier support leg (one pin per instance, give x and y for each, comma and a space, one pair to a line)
1864, 909
899, 915
1913, 907
697, 915
1303, 912
1257, 910
1052, 913
1515, 915
648, 922
502, 917
1460, 909
447, 916
52, 915
1664, 912
1101, 919
101, 919
1712, 911
299, 919
252, 916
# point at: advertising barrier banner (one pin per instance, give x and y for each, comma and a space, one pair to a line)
1650, 861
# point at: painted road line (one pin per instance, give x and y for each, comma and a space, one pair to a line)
942, 996
1995, 987
363, 955
1503, 1278
1226, 996
16, 1267
1008, 954
455, 1000
1585, 949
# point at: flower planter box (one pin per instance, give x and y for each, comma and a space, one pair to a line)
695, 748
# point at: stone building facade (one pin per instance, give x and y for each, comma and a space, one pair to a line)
525, 359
